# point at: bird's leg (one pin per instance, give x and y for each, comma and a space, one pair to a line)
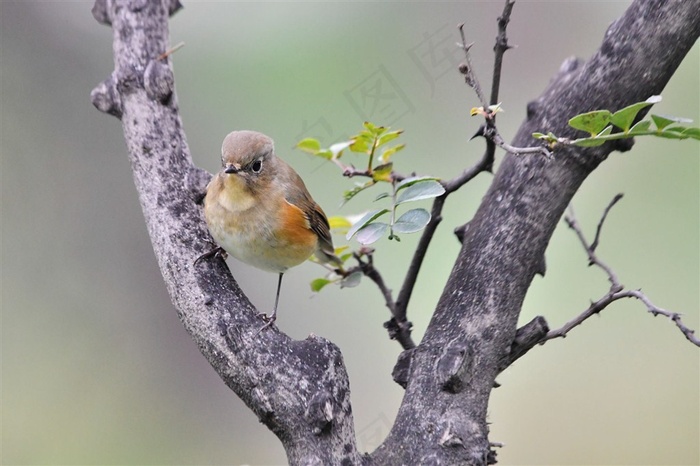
216, 251
269, 320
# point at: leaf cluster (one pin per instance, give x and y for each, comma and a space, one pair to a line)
602, 125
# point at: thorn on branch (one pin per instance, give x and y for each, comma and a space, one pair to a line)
174, 6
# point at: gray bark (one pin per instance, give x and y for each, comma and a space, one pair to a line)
300, 389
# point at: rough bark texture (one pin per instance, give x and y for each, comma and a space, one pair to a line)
300, 389
474, 324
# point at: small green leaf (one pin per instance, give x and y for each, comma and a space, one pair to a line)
384, 158
588, 142
382, 172
381, 196
412, 221
324, 153
351, 280
390, 136
406, 182
309, 145
361, 144
662, 121
371, 233
369, 126
591, 122
318, 284
347, 195
640, 127
624, 117
366, 219
605, 132
539, 135
339, 223
692, 133
425, 189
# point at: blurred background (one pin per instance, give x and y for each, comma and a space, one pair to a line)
96, 367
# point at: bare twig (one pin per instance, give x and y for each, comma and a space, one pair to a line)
616, 291
468, 70
594, 244
499, 49
571, 221
485, 164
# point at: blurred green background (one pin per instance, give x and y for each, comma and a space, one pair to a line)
96, 368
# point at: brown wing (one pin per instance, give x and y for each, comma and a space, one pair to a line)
317, 222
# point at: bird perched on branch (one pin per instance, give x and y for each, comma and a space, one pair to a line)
259, 211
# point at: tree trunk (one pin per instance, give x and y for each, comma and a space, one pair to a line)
299, 389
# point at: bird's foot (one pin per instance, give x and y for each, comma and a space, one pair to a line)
217, 251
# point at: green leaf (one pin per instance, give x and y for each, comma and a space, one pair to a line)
640, 127
692, 133
362, 143
351, 280
337, 222
347, 195
624, 117
390, 136
309, 145
366, 219
381, 196
382, 172
324, 153
662, 121
605, 132
425, 189
588, 142
412, 221
406, 182
591, 122
384, 158
373, 129
318, 284
371, 233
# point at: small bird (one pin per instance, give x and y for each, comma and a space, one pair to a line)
259, 211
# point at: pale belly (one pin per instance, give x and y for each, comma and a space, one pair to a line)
257, 244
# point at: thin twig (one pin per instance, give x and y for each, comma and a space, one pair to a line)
593, 259
594, 244
468, 71
500, 48
616, 291
485, 164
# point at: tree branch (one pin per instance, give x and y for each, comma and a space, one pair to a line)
474, 324
299, 389
616, 291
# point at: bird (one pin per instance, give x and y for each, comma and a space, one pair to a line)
258, 210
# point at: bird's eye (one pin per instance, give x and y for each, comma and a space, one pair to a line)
257, 166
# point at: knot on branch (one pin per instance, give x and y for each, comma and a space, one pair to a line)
319, 412
525, 339
106, 99
396, 328
159, 81
453, 366
101, 13
402, 369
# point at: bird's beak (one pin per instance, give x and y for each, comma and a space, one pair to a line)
231, 168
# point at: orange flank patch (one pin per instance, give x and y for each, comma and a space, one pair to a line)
295, 227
